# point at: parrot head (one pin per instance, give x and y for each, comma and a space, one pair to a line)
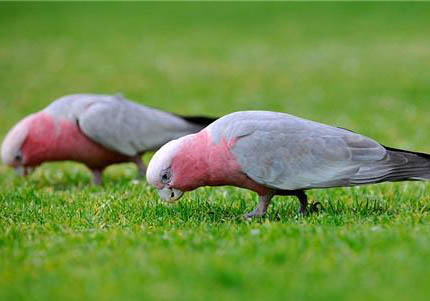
161, 174
11, 148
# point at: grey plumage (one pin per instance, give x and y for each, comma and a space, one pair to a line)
121, 125
118, 131
288, 153
278, 154
397, 165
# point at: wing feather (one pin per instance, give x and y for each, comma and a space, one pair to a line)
130, 128
288, 153
121, 125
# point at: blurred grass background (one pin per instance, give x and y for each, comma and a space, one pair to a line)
356, 65
362, 66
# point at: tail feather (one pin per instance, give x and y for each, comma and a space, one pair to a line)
199, 120
398, 165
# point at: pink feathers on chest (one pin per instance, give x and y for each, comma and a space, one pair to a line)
201, 162
51, 139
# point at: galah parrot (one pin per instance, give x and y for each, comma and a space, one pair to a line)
97, 130
277, 154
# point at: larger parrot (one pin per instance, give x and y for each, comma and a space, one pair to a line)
278, 154
97, 130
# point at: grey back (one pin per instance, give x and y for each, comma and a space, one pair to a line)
119, 124
285, 152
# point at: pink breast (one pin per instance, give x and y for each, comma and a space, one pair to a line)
58, 140
205, 163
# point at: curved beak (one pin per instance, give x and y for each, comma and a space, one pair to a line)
170, 194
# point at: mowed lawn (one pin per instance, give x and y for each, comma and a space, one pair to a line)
362, 66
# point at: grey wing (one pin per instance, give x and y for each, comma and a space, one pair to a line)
129, 128
289, 153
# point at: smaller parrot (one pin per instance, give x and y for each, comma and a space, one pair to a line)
274, 153
97, 130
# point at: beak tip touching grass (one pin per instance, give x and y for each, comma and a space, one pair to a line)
170, 195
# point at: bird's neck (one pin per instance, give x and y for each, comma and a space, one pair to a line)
190, 166
41, 139
58, 139
202, 162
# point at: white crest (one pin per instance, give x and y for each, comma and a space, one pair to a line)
162, 159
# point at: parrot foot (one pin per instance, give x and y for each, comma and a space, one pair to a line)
24, 170
316, 207
29, 170
312, 208
261, 210
141, 172
97, 177
304, 208
301, 195
141, 167
254, 214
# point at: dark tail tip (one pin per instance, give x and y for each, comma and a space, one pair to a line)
417, 166
422, 155
199, 120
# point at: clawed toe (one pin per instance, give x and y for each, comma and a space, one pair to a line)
316, 207
312, 208
261, 210
252, 215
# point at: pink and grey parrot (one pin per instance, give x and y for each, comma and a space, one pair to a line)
277, 154
97, 130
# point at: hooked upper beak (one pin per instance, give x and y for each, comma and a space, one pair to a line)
169, 194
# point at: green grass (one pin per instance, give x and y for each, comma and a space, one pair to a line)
362, 66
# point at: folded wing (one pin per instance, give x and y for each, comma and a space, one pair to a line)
288, 153
121, 125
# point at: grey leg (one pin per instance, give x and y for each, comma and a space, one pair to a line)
261, 209
28, 170
141, 167
303, 210
97, 177
301, 195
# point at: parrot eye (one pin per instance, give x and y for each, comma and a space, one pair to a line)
165, 176
18, 158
